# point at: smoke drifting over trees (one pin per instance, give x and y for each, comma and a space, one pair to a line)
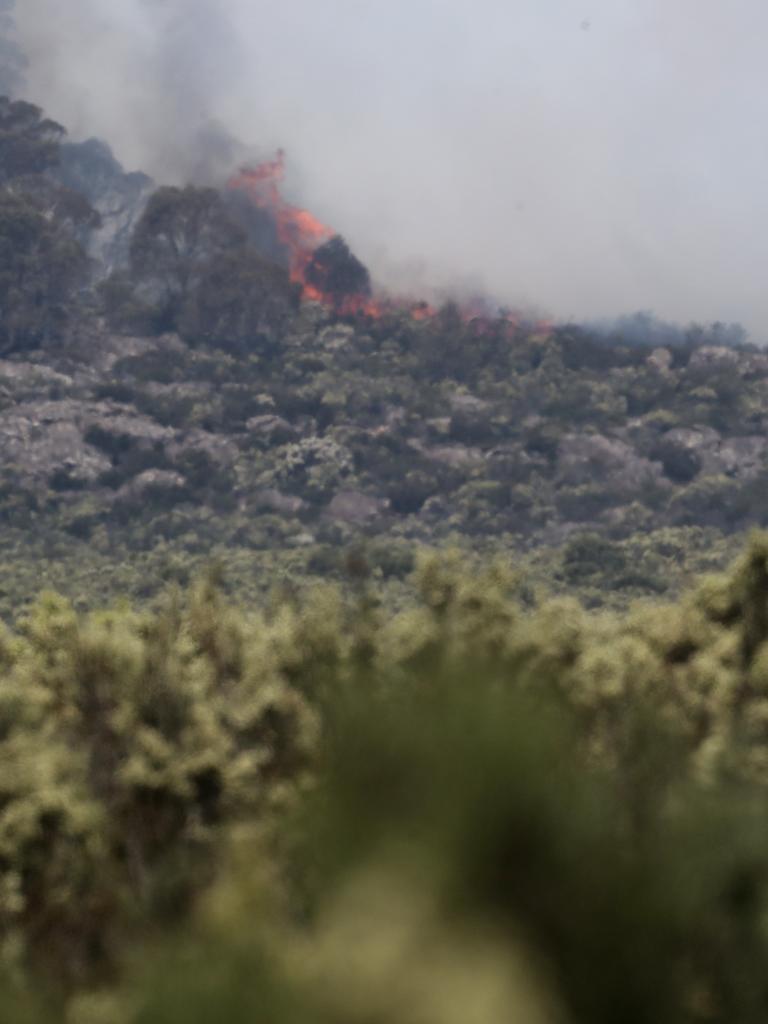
587, 162
12, 60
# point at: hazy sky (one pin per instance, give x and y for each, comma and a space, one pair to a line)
586, 157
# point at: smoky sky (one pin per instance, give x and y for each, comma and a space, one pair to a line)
582, 158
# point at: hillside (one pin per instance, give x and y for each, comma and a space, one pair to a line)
185, 379
369, 683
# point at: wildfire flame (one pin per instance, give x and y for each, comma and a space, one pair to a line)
301, 233
298, 231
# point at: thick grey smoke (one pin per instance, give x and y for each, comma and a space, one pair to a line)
12, 61
589, 157
145, 75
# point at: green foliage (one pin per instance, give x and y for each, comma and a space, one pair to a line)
42, 228
29, 141
181, 232
430, 792
590, 555
471, 807
680, 464
126, 740
239, 303
192, 271
497, 434
324, 426
41, 269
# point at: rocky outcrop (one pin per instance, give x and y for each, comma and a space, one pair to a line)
660, 359
79, 439
740, 457
38, 440
356, 507
90, 169
709, 356
271, 428
219, 448
150, 480
464, 402
21, 377
272, 500
336, 336
587, 458
456, 456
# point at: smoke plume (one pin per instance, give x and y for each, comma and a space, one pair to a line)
12, 61
584, 158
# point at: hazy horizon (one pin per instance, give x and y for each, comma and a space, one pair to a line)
582, 159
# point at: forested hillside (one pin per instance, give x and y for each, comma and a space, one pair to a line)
377, 646
357, 666
184, 380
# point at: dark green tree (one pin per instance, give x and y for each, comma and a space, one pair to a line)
41, 269
29, 141
181, 232
238, 303
70, 209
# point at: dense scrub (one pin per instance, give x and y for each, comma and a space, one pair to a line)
350, 780
470, 805
165, 399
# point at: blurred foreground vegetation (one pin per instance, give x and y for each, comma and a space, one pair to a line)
477, 808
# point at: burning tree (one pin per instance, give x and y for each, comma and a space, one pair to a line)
318, 259
338, 275
298, 232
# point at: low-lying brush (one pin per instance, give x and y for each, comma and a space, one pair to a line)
477, 807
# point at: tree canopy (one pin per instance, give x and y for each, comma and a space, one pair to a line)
41, 268
29, 141
238, 302
181, 231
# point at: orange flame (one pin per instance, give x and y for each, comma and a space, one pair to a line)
301, 233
